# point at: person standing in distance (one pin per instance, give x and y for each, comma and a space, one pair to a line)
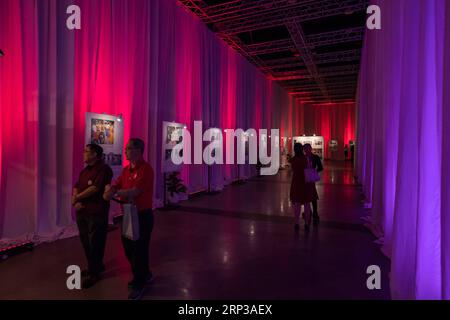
316, 163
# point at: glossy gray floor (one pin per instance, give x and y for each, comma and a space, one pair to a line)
239, 244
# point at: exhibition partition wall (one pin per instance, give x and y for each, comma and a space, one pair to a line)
148, 61
403, 143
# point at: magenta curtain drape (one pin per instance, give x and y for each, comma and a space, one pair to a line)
151, 61
403, 147
333, 121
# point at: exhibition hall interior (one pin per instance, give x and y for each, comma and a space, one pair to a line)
224, 150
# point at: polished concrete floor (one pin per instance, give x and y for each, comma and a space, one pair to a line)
238, 244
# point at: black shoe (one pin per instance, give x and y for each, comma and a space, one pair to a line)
296, 227
90, 281
316, 222
85, 273
148, 281
136, 293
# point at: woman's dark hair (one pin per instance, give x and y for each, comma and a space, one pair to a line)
138, 144
298, 149
97, 149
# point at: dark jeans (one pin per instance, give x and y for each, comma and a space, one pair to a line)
137, 252
93, 229
315, 212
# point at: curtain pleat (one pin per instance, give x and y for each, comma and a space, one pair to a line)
151, 61
402, 144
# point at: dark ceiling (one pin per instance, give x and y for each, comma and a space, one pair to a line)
311, 47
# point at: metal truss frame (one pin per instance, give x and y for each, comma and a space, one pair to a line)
303, 11
301, 43
270, 47
335, 37
236, 9
324, 83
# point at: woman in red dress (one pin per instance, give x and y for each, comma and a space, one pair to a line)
302, 193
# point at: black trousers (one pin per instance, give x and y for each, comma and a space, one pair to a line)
315, 212
93, 229
137, 252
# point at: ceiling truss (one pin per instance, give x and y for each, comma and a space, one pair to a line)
297, 59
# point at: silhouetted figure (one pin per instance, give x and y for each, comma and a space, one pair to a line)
92, 211
301, 193
352, 151
316, 163
135, 186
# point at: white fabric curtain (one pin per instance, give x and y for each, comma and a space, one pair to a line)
403, 143
149, 60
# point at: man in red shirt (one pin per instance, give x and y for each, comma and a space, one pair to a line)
92, 211
135, 185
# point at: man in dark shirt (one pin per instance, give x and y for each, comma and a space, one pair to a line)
316, 164
92, 211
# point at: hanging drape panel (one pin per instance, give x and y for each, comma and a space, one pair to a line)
403, 143
36, 127
333, 121
149, 60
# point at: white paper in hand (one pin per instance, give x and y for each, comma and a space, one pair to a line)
130, 223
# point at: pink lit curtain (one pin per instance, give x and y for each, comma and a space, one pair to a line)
151, 61
403, 143
333, 121
36, 126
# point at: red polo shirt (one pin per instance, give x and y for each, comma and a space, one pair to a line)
141, 177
